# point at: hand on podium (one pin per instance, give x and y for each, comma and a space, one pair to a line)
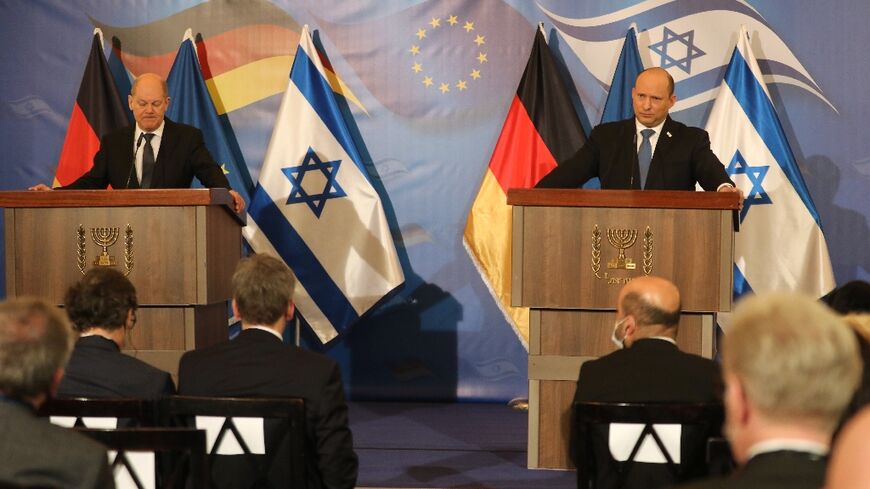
40, 187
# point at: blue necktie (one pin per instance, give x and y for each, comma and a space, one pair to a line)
147, 161
644, 155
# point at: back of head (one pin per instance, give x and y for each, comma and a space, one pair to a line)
796, 359
653, 301
102, 298
262, 289
35, 341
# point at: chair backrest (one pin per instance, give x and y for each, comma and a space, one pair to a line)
78, 412
273, 456
704, 420
143, 458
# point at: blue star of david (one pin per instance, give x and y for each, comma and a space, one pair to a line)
687, 39
756, 175
331, 190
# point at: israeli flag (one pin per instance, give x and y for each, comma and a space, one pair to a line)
780, 244
315, 207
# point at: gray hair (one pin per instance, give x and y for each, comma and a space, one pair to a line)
796, 359
35, 341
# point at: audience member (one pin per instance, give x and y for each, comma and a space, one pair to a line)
102, 307
860, 324
851, 297
35, 342
790, 368
649, 368
258, 363
849, 468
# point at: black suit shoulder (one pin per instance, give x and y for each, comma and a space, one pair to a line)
97, 368
651, 370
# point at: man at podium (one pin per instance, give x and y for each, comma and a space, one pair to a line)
650, 151
156, 153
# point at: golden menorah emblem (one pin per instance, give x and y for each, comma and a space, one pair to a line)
622, 239
104, 238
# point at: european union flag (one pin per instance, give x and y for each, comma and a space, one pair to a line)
191, 104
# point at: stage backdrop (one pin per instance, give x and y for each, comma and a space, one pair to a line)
428, 85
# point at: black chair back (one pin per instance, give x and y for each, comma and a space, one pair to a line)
284, 462
129, 412
180, 460
700, 421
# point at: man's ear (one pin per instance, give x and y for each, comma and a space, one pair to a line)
235, 307
55, 381
735, 397
630, 327
291, 308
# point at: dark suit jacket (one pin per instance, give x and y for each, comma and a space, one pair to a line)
773, 470
182, 156
257, 364
652, 370
682, 157
97, 368
35, 453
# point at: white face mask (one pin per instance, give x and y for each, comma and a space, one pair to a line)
619, 342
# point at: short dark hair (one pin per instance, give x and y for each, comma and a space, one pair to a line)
101, 299
648, 314
262, 289
851, 297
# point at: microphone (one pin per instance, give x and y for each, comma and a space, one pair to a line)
133, 161
636, 162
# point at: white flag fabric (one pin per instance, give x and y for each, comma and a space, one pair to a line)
315, 207
780, 245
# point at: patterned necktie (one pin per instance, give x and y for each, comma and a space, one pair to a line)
147, 161
644, 155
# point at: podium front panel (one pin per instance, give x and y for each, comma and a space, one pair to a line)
163, 250
579, 257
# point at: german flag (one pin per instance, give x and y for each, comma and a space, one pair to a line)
541, 130
97, 111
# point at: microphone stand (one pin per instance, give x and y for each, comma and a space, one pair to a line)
133, 161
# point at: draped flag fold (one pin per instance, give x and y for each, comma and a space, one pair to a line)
780, 244
618, 105
191, 103
98, 110
541, 129
315, 207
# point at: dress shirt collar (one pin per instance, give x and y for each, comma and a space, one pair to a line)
664, 338
158, 133
788, 444
266, 328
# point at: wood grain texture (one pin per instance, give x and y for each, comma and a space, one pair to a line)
554, 424
558, 271
635, 199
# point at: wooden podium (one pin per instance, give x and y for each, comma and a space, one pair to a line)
572, 252
179, 248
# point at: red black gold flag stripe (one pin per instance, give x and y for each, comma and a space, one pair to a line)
541, 129
97, 111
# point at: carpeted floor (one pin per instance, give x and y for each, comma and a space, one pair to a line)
431, 445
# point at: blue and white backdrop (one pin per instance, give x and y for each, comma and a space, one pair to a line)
428, 84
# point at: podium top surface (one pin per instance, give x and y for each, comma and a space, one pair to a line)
641, 199
120, 198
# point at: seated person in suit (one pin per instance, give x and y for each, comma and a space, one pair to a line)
157, 153
102, 307
849, 468
35, 342
791, 366
650, 151
649, 368
257, 363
